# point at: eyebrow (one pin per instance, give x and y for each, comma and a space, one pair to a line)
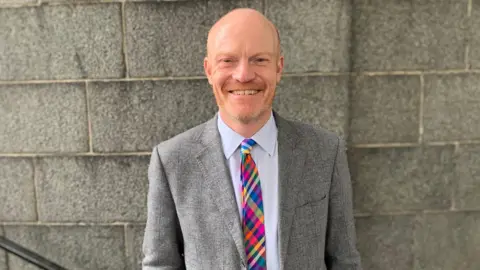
263, 53
222, 54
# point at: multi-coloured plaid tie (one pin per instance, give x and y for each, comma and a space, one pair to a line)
252, 210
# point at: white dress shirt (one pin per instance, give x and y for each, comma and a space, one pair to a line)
265, 155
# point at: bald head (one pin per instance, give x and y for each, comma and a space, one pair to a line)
243, 19
243, 66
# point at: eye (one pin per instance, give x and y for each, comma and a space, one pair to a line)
261, 60
226, 60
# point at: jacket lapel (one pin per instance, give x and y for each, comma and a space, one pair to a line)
291, 160
218, 182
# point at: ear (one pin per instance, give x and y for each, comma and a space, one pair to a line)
208, 69
279, 68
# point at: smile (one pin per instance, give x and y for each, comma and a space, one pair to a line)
244, 92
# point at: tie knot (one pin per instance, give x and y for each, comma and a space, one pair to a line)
247, 145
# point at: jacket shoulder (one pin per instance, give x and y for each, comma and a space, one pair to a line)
315, 134
179, 142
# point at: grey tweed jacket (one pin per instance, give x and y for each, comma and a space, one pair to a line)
193, 220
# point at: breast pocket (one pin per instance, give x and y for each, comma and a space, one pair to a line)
310, 219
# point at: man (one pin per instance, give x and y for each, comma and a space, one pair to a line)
249, 189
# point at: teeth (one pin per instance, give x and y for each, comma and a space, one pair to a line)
245, 92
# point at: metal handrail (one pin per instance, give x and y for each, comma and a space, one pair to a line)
28, 255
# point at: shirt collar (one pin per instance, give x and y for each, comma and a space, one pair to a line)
266, 137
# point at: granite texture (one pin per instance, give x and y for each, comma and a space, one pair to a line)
135, 116
452, 107
315, 34
401, 179
73, 247
61, 42
385, 109
448, 241
17, 190
409, 35
43, 118
3, 255
16, 3
98, 189
169, 38
134, 235
467, 177
217, 8
317, 100
474, 52
385, 242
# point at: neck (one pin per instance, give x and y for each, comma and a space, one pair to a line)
247, 130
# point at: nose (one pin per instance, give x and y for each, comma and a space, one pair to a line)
243, 72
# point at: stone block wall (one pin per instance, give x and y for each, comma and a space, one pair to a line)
88, 87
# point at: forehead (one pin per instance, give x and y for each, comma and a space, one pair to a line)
244, 38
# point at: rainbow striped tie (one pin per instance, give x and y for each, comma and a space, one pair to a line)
252, 210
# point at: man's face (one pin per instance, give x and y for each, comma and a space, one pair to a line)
244, 66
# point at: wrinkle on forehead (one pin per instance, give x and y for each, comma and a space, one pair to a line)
241, 18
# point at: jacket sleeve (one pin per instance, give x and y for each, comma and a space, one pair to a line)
341, 251
162, 243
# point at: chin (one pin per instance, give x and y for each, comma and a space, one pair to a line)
247, 117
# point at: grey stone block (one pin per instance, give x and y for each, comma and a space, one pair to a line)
315, 35
170, 38
73, 247
217, 8
43, 118
467, 177
452, 107
385, 242
73, 1
61, 42
3, 255
165, 38
17, 192
135, 116
16, 3
448, 241
104, 1
409, 35
385, 109
15, 263
396, 179
134, 235
320, 101
92, 188
474, 57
